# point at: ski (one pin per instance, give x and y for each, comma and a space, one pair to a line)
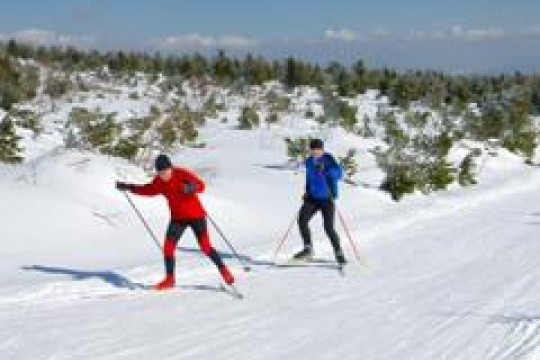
232, 290
341, 269
315, 262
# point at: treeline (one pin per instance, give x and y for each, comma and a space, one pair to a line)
433, 88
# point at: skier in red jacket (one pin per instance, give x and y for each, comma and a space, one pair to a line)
180, 187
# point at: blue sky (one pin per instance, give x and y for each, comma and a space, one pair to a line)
458, 35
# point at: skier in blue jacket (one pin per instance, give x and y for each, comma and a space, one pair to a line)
322, 176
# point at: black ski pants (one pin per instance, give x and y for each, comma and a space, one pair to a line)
309, 208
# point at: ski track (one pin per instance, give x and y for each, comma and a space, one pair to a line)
430, 292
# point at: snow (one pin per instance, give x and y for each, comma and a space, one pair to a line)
453, 275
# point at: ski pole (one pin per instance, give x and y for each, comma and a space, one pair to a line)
140, 216
342, 220
285, 237
353, 245
245, 266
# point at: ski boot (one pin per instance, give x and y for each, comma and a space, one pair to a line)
306, 254
165, 284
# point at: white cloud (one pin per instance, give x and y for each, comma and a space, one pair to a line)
196, 41
460, 32
456, 32
341, 35
484, 34
47, 37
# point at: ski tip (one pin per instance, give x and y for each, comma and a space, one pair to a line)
232, 290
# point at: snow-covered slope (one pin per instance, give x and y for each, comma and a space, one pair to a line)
451, 276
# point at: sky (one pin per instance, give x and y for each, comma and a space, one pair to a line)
458, 35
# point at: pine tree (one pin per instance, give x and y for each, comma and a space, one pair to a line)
9, 142
223, 68
10, 87
466, 171
291, 74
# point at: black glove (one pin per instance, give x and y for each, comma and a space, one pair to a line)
122, 186
319, 167
305, 197
189, 188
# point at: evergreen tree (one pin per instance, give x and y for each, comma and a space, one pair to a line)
223, 68
10, 90
466, 171
9, 142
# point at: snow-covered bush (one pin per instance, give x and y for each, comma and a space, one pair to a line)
211, 107
272, 118
249, 118
349, 165
91, 130
297, 149
127, 148
27, 119
347, 115
416, 157
179, 127
277, 103
57, 85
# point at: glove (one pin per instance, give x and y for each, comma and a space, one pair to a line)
122, 186
188, 188
305, 197
319, 167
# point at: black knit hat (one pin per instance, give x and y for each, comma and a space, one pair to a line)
162, 162
316, 144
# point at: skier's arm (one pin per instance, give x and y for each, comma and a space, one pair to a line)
306, 190
195, 183
334, 170
150, 189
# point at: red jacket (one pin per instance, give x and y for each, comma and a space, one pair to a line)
181, 205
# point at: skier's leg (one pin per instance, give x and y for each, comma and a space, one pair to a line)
329, 214
200, 229
174, 232
306, 213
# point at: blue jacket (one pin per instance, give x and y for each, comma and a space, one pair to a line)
319, 183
